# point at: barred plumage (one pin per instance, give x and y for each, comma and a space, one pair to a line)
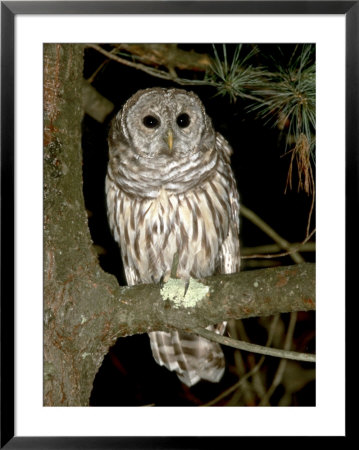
170, 189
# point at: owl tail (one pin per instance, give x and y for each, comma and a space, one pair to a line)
192, 357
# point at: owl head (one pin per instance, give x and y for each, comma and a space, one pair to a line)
163, 123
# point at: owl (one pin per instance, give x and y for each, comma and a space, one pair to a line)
170, 190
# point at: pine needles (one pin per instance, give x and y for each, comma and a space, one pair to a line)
236, 78
288, 102
284, 97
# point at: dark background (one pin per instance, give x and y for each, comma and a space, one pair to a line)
129, 375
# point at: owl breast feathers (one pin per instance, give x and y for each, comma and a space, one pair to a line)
170, 189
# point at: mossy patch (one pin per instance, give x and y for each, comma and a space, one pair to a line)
174, 291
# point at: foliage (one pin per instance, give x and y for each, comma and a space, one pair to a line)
284, 97
235, 78
288, 96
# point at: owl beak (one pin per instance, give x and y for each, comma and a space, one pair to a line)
170, 139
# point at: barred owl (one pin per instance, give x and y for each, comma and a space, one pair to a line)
170, 189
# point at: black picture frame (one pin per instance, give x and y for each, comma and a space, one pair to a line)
9, 9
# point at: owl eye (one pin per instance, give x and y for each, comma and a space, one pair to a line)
150, 122
183, 120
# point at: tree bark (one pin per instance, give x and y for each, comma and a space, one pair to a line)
75, 288
85, 310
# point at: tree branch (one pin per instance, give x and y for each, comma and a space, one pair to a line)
249, 347
153, 71
168, 55
95, 105
237, 296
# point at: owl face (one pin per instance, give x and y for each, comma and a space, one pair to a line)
166, 123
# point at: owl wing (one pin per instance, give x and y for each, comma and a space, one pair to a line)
116, 201
229, 256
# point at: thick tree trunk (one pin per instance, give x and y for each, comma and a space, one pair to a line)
75, 288
85, 310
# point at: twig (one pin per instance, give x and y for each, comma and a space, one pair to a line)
240, 366
275, 248
168, 55
282, 365
253, 371
236, 386
311, 209
294, 249
150, 70
246, 346
257, 380
256, 385
99, 68
248, 214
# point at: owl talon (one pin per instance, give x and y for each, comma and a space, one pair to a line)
186, 286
